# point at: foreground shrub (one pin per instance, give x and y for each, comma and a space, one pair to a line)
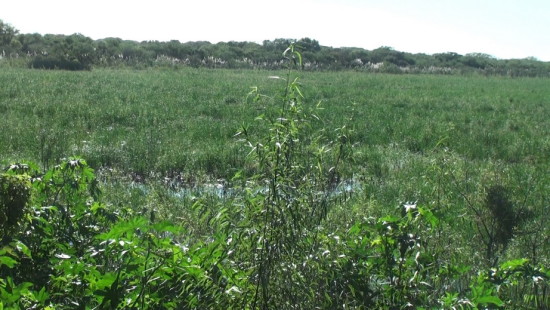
15, 192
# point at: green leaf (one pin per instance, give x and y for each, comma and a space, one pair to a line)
355, 229
512, 264
489, 300
166, 226
121, 228
104, 282
8, 261
388, 219
41, 296
426, 213
376, 241
23, 248
7, 250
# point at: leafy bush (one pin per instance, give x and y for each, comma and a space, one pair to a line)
288, 199
15, 192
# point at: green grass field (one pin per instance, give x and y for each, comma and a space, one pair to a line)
184, 120
466, 147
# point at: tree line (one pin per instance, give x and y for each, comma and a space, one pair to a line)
79, 52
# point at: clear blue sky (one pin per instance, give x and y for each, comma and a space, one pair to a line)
502, 28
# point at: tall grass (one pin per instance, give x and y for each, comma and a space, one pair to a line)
181, 120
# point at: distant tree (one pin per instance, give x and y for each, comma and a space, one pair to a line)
273, 49
133, 53
55, 44
74, 52
78, 52
81, 49
7, 33
347, 56
109, 51
389, 55
175, 49
228, 51
478, 60
423, 60
8, 42
308, 45
326, 55
277, 44
197, 51
360, 54
252, 50
447, 59
32, 44
526, 67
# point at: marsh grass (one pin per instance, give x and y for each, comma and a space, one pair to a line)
183, 120
180, 124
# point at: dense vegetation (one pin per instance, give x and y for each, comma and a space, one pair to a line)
336, 190
78, 52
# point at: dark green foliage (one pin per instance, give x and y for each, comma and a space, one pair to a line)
76, 253
9, 45
388, 263
77, 52
56, 62
503, 212
15, 194
389, 55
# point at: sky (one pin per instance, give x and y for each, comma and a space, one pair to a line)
504, 29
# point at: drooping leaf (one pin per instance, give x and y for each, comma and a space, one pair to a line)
8, 261
22, 248
490, 300
512, 264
